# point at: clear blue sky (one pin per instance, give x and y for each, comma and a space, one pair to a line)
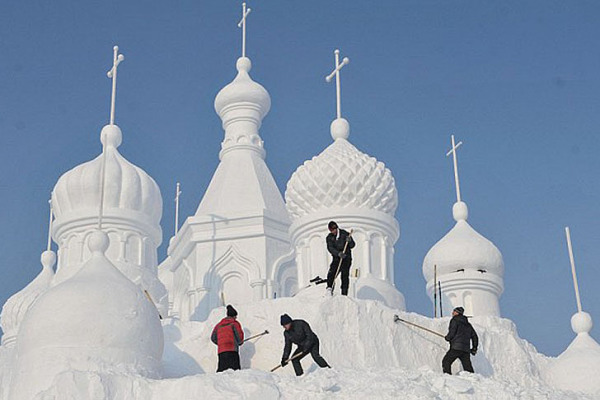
518, 82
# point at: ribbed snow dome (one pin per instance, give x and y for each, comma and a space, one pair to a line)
463, 248
243, 91
97, 319
128, 187
17, 305
341, 176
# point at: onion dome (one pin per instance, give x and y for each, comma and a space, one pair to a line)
463, 248
242, 105
341, 176
98, 320
16, 306
577, 367
129, 192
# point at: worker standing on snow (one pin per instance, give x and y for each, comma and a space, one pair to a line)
298, 332
339, 244
228, 336
460, 334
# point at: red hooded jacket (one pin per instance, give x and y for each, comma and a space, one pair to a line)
227, 335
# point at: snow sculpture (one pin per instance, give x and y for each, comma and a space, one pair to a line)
18, 304
357, 191
577, 367
97, 321
132, 209
236, 247
468, 266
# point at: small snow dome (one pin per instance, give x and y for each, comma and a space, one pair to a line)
463, 248
129, 190
341, 176
98, 320
577, 368
16, 306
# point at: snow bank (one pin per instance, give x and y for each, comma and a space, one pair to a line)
372, 358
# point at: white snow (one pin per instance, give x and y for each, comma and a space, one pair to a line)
372, 358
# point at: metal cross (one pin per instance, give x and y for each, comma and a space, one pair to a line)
336, 72
112, 73
177, 194
453, 152
242, 24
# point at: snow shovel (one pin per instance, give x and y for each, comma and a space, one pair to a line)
397, 318
288, 360
266, 332
339, 268
313, 282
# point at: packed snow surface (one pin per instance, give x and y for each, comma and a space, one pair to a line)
372, 358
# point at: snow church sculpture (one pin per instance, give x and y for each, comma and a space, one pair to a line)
468, 266
357, 191
132, 209
236, 248
95, 318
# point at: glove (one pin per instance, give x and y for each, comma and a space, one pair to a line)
473, 351
342, 255
284, 362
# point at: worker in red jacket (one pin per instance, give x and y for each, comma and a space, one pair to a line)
228, 336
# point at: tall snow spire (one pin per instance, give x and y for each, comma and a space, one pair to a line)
340, 128
111, 134
48, 247
177, 194
573, 272
242, 24
459, 210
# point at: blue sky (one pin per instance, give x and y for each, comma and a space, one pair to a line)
518, 82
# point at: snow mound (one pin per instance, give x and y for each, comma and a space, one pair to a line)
372, 357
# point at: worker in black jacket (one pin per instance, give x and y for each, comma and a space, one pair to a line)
336, 242
460, 334
298, 332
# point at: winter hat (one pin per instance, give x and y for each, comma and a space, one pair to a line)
285, 319
459, 310
231, 312
332, 225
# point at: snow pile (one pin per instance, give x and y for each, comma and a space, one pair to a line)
372, 358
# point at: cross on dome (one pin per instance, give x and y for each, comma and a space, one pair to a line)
242, 24
112, 73
336, 73
456, 181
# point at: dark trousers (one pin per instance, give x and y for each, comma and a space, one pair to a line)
452, 355
314, 352
344, 271
228, 360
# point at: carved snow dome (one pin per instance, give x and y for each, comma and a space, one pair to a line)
17, 305
463, 248
129, 190
341, 176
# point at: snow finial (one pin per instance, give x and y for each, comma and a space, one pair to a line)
460, 210
112, 73
50, 227
573, 272
177, 194
339, 127
242, 24
98, 242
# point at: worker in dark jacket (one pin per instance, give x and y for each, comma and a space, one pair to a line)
298, 332
460, 334
336, 243
228, 336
